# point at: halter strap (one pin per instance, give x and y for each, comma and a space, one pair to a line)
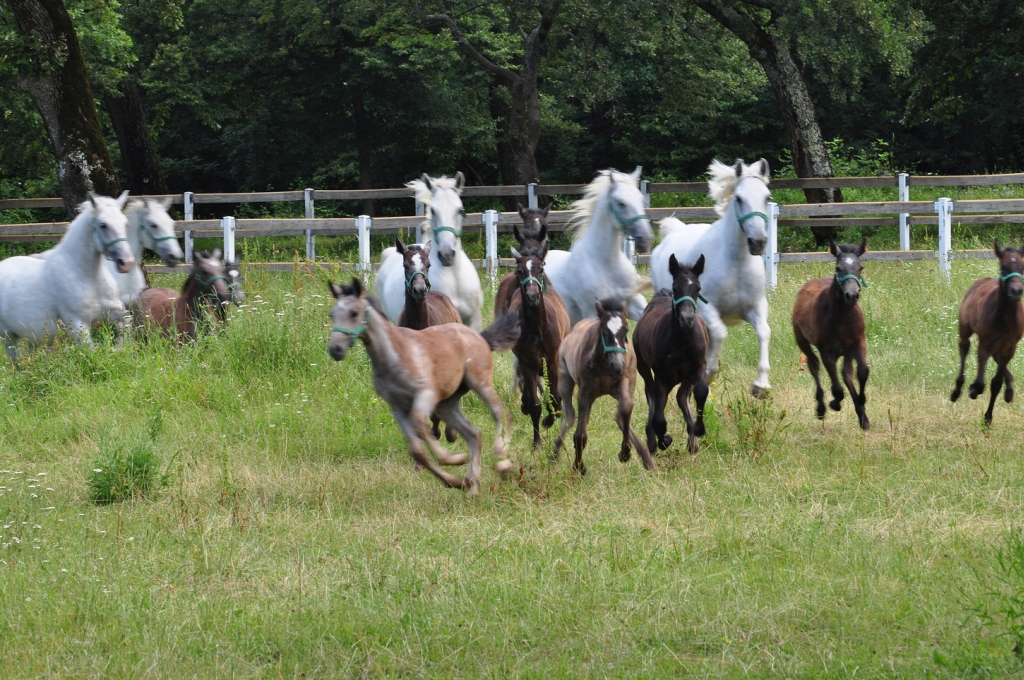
354, 332
437, 230
607, 349
207, 282
408, 281
99, 237
164, 238
860, 281
543, 286
676, 301
1009, 276
753, 213
624, 222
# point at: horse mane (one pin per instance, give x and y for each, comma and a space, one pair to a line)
375, 303
664, 292
847, 247
424, 195
722, 181
584, 207
614, 304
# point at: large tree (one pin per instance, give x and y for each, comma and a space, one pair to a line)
51, 69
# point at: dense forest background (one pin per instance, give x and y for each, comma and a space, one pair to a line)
253, 95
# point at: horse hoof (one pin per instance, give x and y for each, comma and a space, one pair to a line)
865, 424
974, 391
835, 404
820, 413
450, 435
665, 442
537, 442
624, 455
955, 395
699, 429
503, 466
758, 392
548, 421
473, 490
692, 445
1008, 396
581, 468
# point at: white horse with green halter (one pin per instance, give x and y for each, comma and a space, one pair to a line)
451, 271
71, 289
733, 281
149, 226
596, 268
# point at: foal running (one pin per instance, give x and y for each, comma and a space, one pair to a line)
671, 344
992, 309
533, 236
827, 314
423, 372
545, 322
597, 356
423, 307
206, 292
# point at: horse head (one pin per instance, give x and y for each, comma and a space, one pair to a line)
156, 229
530, 273
612, 329
849, 268
210, 275
743, 189
349, 317
416, 260
441, 196
1011, 269
535, 224
110, 229
628, 207
685, 290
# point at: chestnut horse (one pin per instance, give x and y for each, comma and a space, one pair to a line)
827, 314
423, 307
545, 322
423, 372
597, 356
205, 292
992, 309
532, 236
671, 344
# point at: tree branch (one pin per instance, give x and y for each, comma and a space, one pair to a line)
470, 51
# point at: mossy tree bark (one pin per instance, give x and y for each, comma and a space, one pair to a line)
138, 152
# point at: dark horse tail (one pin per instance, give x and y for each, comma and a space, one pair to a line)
504, 332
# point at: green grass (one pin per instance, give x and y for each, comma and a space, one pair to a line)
295, 539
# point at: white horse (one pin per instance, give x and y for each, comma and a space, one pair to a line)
71, 288
451, 271
149, 226
596, 268
733, 281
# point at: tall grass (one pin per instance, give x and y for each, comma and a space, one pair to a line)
296, 539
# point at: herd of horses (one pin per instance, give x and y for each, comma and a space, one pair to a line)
563, 314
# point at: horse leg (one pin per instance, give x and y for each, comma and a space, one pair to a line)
80, 332
502, 420
424, 405
700, 394
717, 332
657, 425
997, 385
553, 390
857, 397
1008, 392
683, 399
11, 343
837, 389
965, 348
814, 367
451, 411
566, 385
579, 440
758, 318
531, 404
623, 416
978, 386
411, 429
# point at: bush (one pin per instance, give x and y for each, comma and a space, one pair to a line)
126, 470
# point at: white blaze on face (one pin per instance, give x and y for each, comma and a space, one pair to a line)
417, 262
529, 267
613, 326
233, 273
849, 260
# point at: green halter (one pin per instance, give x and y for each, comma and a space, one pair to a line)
437, 230
607, 349
408, 281
860, 282
1007, 277
676, 301
207, 282
99, 237
543, 286
354, 332
157, 239
753, 213
624, 222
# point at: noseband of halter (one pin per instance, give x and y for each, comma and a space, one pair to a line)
354, 332
208, 282
437, 230
543, 286
1007, 277
677, 301
860, 281
624, 222
157, 239
408, 281
607, 349
750, 214
99, 237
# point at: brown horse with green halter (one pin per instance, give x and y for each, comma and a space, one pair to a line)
205, 294
533, 236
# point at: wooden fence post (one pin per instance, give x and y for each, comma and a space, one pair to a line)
944, 207
228, 225
491, 236
904, 217
310, 239
771, 251
189, 216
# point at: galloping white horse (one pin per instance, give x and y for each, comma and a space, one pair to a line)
733, 281
71, 288
596, 268
149, 226
451, 272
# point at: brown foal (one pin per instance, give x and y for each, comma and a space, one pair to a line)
545, 322
423, 372
206, 292
533, 236
597, 356
827, 315
992, 309
423, 307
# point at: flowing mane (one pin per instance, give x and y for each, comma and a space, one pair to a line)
584, 207
723, 180
425, 194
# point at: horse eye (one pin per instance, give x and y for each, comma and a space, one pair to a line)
352, 314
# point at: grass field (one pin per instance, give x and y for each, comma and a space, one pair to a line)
293, 538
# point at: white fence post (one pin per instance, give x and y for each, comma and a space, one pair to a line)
363, 224
531, 195
771, 251
491, 236
189, 216
645, 189
421, 211
310, 239
228, 225
629, 248
904, 217
944, 207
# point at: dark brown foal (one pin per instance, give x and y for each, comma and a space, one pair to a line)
423, 307
545, 322
992, 309
533, 236
597, 356
671, 344
205, 292
827, 315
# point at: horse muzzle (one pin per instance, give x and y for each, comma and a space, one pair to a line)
172, 255
336, 351
643, 243
756, 245
851, 297
616, 365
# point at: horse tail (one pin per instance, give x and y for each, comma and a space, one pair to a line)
643, 284
549, 398
504, 332
670, 224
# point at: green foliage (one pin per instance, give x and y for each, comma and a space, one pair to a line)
128, 468
757, 426
1001, 605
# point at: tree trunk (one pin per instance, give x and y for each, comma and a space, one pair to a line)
516, 155
364, 149
141, 162
60, 88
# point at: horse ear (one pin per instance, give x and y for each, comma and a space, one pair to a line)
515, 253
547, 210
833, 248
92, 199
460, 181
167, 202
698, 267
863, 247
216, 254
764, 172
599, 307
738, 168
399, 246
544, 251
121, 200
515, 232
673, 264
997, 249
522, 210
426, 180
636, 173
543, 236
357, 286
335, 289
426, 249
